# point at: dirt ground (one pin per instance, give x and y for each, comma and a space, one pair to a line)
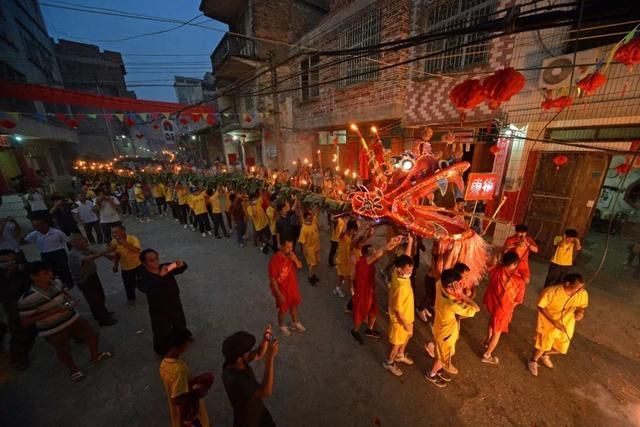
323, 377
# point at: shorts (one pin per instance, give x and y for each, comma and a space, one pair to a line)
445, 349
344, 270
311, 257
397, 334
555, 340
80, 329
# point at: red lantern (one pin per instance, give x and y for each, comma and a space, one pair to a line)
247, 118
494, 149
73, 123
183, 120
502, 85
196, 117
558, 104
467, 95
623, 168
560, 160
155, 126
130, 122
592, 82
7, 123
61, 117
629, 53
210, 120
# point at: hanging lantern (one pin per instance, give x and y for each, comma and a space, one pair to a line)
195, 117
73, 123
183, 120
629, 53
502, 85
623, 168
7, 123
210, 120
558, 104
494, 149
560, 160
467, 95
592, 82
129, 122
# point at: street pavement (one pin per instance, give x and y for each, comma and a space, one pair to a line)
323, 377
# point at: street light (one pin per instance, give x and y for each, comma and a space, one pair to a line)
193, 137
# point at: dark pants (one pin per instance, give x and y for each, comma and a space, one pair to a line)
182, 213
174, 210
161, 204
22, 337
192, 218
59, 262
94, 294
241, 229
332, 253
89, 228
165, 319
203, 222
130, 280
262, 236
106, 230
274, 242
556, 274
218, 223
126, 207
429, 299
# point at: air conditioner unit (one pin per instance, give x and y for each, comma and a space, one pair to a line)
557, 71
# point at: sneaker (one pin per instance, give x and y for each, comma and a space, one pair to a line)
242, 245
444, 376
533, 367
371, 333
436, 380
546, 361
299, 328
338, 292
356, 336
403, 358
286, 332
209, 233
424, 315
185, 226
490, 359
430, 349
451, 370
204, 234
391, 367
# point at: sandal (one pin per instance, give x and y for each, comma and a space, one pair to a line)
102, 356
491, 360
78, 376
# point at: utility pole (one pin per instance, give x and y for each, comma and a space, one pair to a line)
276, 112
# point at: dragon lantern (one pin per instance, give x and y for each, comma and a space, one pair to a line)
397, 192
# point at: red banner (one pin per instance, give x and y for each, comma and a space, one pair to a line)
481, 186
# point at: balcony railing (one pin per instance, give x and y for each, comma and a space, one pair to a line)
231, 45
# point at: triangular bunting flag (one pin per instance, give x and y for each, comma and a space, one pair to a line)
145, 116
16, 116
119, 116
92, 116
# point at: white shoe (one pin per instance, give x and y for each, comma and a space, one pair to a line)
286, 332
185, 226
391, 367
204, 234
533, 368
546, 361
209, 233
338, 292
299, 328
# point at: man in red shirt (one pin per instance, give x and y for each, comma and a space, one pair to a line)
521, 244
364, 290
284, 286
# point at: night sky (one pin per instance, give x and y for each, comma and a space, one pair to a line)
147, 70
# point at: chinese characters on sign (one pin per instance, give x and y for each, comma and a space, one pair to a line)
481, 186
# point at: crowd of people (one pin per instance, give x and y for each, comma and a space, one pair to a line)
36, 302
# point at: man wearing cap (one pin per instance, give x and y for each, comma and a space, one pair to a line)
244, 391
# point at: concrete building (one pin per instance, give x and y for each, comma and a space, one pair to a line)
85, 68
37, 142
188, 89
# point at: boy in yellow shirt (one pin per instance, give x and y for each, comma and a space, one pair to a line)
141, 203
562, 259
260, 222
338, 224
559, 308
198, 203
159, 193
170, 198
183, 208
345, 258
310, 241
451, 304
401, 314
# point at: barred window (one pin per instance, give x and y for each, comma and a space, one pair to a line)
364, 31
450, 15
310, 77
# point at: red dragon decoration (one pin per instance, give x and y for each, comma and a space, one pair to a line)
397, 193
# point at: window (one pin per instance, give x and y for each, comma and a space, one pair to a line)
310, 77
450, 15
364, 31
11, 104
37, 53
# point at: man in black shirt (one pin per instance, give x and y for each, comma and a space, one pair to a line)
158, 282
244, 391
286, 228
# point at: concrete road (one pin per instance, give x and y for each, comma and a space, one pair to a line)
323, 377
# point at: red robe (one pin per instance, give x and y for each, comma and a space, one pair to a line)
283, 270
501, 296
364, 296
523, 254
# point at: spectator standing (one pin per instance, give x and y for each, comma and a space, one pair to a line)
62, 215
37, 206
10, 236
52, 244
107, 206
86, 215
127, 250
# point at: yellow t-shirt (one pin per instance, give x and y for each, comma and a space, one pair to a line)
214, 201
561, 306
139, 194
272, 214
175, 375
445, 324
338, 228
90, 194
158, 190
182, 196
169, 194
564, 252
258, 215
310, 237
128, 259
198, 203
401, 299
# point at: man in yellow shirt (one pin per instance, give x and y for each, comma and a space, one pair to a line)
216, 212
559, 308
184, 392
141, 203
451, 304
127, 250
170, 197
191, 216
183, 208
345, 258
159, 193
337, 228
199, 206
401, 314
310, 241
562, 259
260, 222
